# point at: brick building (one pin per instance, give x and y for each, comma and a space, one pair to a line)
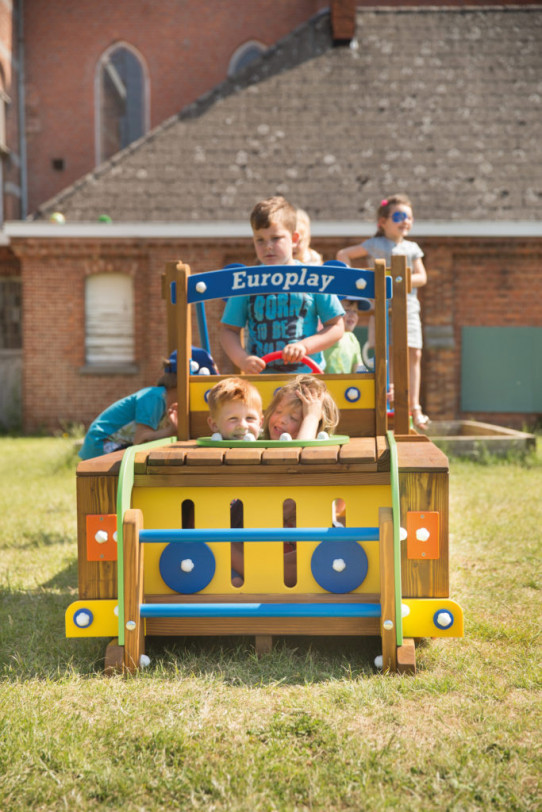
443, 103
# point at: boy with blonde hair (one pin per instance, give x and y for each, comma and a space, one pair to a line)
235, 410
282, 321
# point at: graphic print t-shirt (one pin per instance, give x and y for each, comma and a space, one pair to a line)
273, 320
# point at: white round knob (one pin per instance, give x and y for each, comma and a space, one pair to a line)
339, 565
444, 619
422, 534
201, 287
101, 536
82, 620
361, 284
187, 565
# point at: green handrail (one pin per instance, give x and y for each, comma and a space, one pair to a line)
124, 502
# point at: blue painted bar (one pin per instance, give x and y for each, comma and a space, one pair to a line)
261, 534
260, 610
202, 327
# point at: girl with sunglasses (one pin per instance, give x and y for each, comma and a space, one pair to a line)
394, 221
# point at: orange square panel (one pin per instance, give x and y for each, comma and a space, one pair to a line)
102, 537
422, 534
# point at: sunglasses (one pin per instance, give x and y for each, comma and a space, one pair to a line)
399, 216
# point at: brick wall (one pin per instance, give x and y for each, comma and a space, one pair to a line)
186, 47
472, 282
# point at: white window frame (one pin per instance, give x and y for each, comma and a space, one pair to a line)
109, 320
98, 94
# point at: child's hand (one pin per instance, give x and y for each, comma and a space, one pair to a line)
293, 353
311, 402
252, 365
172, 414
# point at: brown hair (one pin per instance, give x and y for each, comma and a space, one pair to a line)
273, 210
386, 206
233, 389
312, 383
168, 380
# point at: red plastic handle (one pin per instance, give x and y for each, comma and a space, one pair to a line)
277, 356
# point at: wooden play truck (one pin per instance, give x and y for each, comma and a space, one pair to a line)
155, 522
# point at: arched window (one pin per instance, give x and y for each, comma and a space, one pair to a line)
244, 55
121, 100
109, 319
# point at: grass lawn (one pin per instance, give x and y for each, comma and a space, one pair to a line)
310, 727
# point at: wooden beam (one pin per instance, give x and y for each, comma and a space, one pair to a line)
400, 345
134, 635
387, 591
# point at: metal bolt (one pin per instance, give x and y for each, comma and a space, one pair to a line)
131, 625
388, 625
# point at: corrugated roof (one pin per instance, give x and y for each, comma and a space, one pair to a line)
444, 104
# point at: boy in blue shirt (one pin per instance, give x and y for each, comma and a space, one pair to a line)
279, 321
136, 418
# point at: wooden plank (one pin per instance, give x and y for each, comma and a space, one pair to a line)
202, 477
174, 454
406, 657
205, 627
281, 456
243, 456
184, 350
357, 422
380, 346
419, 491
114, 658
167, 278
421, 456
400, 345
319, 455
358, 450
387, 590
95, 495
382, 453
205, 456
106, 465
257, 597
134, 638
263, 643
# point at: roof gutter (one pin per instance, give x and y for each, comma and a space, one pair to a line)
240, 230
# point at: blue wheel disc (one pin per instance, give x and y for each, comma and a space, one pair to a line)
348, 552
187, 582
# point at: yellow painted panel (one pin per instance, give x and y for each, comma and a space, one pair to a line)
267, 388
263, 507
104, 623
419, 622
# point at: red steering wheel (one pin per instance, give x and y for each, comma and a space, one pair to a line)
277, 356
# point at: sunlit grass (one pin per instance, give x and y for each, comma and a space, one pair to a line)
311, 726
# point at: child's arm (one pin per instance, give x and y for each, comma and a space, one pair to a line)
332, 332
351, 252
230, 338
312, 414
419, 274
144, 434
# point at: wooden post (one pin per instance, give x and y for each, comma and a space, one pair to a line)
387, 591
168, 277
184, 351
134, 634
399, 342
380, 347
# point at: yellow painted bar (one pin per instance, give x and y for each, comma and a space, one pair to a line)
419, 622
337, 387
104, 624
